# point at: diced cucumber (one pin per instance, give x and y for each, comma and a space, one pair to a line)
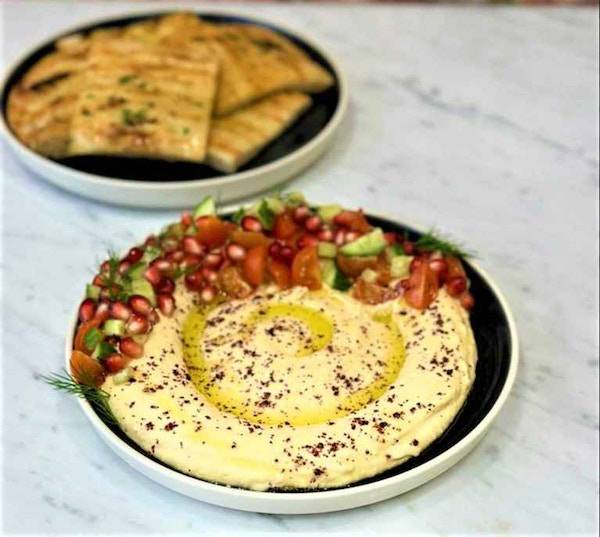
92, 291
333, 276
151, 253
327, 250
369, 275
328, 212
400, 266
206, 207
191, 230
137, 271
123, 376
392, 251
275, 204
114, 327
143, 287
294, 198
102, 350
93, 338
372, 243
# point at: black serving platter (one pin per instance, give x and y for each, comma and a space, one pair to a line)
494, 348
307, 127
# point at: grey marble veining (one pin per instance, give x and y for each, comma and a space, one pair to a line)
481, 121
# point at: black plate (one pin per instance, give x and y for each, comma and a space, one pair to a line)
494, 348
308, 126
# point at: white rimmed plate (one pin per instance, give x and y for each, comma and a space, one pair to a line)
164, 184
498, 355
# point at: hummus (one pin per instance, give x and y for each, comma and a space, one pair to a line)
296, 389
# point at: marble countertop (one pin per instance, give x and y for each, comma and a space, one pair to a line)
481, 121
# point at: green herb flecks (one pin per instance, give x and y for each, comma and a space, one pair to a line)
133, 118
432, 242
97, 397
127, 79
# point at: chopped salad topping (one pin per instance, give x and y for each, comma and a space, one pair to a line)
279, 240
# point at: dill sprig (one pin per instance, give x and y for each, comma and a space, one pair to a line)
432, 241
97, 397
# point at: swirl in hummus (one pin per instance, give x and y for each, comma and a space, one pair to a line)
301, 386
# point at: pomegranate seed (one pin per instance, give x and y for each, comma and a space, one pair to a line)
134, 255
405, 283
151, 241
466, 300
139, 304
169, 244
351, 236
325, 235
213, 260
162, 264
166, 304
251, 223
408, 247
165, 285
210, 275
124, 266
208, 294
312, 223
235, 252
307, 240
275, 249
440, 267
115, 362
286, 254
137, 324
105, 267
186, 219
87, 310
119, 310
339, 237
190, 261
131, 348
301, 213
175, 257
191, 245
456, 286
98, 280
153, 317
194, 281
103, 311
152, 274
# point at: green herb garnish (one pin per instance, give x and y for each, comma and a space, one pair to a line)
133, 118
431, 242
126, 79
236, 217
93, 338
96, 396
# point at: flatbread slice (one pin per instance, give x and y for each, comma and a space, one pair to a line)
235, 139
255, 61
143, 102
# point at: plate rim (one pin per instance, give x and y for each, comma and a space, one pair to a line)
96, 180
444, 460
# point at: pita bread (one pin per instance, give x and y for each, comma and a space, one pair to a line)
142, 102
235, 139
255, 61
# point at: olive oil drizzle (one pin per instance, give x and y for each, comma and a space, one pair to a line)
321, 334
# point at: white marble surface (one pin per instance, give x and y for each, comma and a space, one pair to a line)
482, 121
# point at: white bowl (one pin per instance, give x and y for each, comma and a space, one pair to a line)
318, 501
174, 194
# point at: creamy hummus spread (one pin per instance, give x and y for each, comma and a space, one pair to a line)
296, 389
